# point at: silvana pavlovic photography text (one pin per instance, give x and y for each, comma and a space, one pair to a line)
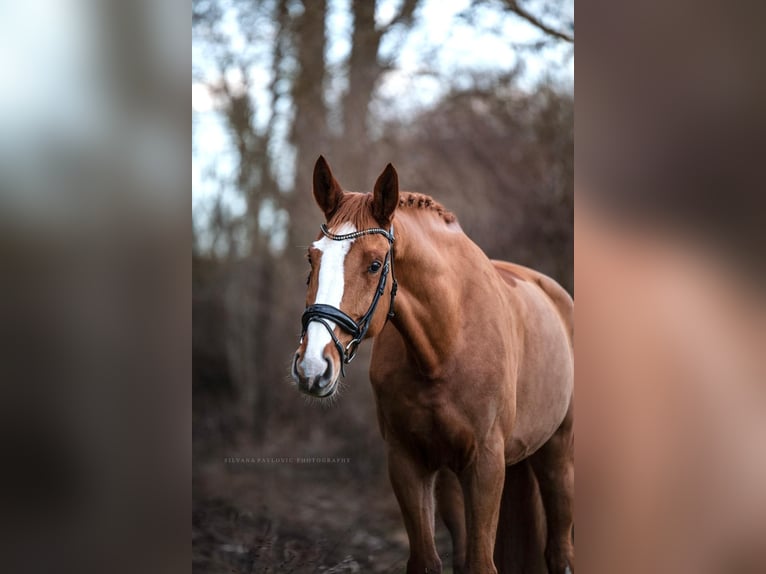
286, 460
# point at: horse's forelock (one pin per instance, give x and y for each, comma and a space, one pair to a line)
354, 208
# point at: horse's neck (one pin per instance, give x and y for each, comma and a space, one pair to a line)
431, 265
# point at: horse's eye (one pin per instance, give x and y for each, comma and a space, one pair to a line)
374, 267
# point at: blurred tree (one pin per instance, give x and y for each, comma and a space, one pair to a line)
309, 133
364, 68
534, 13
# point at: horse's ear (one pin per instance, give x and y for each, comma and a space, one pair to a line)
385, 197
327, 191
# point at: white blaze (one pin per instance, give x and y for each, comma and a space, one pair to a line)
329, 292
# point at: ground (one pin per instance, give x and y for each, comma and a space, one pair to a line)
296, 518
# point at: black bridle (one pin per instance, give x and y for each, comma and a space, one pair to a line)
357, 329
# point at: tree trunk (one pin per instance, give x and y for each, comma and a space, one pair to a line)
364, 69
309, 132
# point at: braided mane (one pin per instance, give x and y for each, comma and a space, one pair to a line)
420, 201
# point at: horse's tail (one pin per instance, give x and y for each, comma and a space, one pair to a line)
521, 530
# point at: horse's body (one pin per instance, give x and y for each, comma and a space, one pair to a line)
473, 373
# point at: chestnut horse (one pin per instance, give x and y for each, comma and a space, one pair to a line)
472, 371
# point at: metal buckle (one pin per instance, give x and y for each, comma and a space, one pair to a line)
349, 352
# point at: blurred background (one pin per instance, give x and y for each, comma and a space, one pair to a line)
473, 103
670, 227
95, 328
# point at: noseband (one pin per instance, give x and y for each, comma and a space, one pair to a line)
322, 313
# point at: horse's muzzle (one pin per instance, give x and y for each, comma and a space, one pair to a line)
320, 386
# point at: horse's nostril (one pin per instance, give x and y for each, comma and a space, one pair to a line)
326, 377
296, 369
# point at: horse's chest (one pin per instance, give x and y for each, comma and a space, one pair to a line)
426, 423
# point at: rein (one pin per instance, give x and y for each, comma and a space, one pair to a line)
322, 313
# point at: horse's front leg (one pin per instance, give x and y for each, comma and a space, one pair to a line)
449, 501
482, 482
414, 489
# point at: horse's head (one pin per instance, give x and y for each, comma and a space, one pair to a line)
351, 280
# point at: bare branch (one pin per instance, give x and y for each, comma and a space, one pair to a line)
404, 16
514, 7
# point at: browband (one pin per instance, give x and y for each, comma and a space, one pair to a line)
354, 234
